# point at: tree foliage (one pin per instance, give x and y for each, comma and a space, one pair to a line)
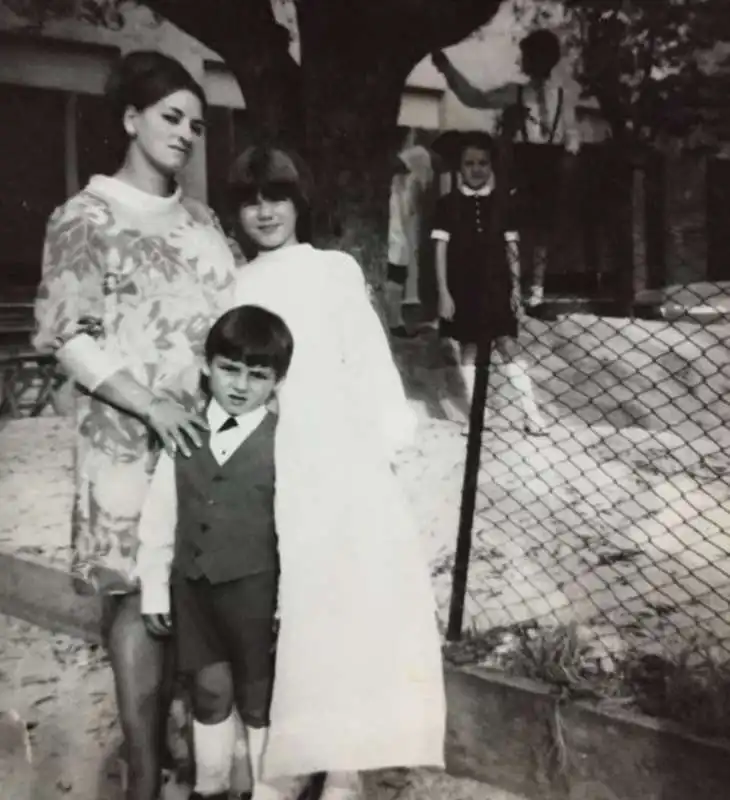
643, 61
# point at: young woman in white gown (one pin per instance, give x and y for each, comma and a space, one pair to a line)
359, 680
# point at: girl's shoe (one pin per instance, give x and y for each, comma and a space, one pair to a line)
536, 427
536, 297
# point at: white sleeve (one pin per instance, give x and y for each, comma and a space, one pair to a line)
86, 362
371, 364
157, 538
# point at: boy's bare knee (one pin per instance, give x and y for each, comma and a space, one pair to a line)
213, 694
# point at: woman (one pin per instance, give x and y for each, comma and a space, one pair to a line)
133, 276
359, 683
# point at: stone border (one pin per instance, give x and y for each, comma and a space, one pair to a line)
45, 597
501, 730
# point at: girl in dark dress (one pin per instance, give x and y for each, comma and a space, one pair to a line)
478, 278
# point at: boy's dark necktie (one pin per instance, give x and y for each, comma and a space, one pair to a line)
230, 423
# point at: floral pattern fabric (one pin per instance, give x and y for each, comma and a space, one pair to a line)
145, 277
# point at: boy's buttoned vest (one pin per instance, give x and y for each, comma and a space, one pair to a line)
225, 526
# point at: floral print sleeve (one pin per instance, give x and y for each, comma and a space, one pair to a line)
70, 297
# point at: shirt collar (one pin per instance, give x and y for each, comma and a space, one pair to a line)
485, 191
217, 416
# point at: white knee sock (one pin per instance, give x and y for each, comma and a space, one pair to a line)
256, 746
468, 374
214, 746
517, 374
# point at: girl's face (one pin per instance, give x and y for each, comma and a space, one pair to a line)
476, 167
166, 132
270, 223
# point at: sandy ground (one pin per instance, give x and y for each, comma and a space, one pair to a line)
62, 689
618, 519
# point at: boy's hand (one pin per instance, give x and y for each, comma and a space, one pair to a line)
158, 625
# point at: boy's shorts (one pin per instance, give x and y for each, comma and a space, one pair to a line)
230, 622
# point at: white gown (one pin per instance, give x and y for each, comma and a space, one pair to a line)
359, 680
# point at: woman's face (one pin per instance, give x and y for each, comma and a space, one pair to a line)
166, 132
269, 223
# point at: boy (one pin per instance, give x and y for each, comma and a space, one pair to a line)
208, 540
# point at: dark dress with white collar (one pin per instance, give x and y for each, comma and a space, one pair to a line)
477, 269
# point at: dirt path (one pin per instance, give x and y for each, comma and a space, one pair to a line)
62, 688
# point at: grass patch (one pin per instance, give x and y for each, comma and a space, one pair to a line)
686, 682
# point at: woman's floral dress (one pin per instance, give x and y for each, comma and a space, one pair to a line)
145, 276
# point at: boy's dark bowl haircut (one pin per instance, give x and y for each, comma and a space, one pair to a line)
253, 336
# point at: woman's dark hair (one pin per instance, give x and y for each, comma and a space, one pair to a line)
253, 336
274, 174
145, 77
541, 51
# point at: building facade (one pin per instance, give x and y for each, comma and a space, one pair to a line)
51, 87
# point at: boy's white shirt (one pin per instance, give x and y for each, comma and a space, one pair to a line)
158, 520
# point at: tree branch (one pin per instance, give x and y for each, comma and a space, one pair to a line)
255, 48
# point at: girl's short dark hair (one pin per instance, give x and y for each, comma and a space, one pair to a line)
478, 140
276, 174
144, 77
253, 336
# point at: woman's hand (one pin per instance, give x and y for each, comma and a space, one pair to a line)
177, 427
446, 305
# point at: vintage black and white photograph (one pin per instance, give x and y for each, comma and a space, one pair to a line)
364, 399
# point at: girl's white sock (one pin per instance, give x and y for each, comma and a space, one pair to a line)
517, 374
213, 746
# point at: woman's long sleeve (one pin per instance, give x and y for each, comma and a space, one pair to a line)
69, 305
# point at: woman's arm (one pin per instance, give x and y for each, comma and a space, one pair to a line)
69, 312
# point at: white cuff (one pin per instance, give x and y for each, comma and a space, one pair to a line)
440, 236
155, 598
86, 362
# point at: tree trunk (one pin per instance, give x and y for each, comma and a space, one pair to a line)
351, 115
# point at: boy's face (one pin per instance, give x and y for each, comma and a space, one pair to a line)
237, 387
476, 167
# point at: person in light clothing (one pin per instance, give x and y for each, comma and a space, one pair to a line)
207, 533
413, 176
359, 678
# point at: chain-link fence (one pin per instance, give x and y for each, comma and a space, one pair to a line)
615, 512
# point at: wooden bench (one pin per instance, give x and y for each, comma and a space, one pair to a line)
27, 382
